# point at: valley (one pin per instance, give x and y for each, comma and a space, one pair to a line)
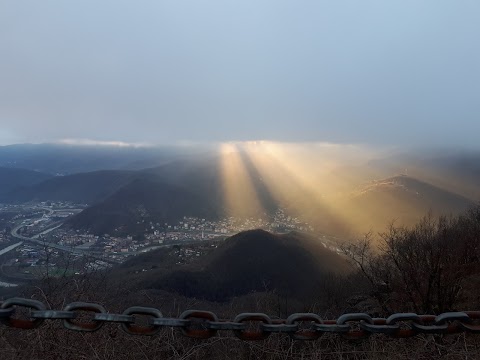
44, 245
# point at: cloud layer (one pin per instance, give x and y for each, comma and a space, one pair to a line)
397, 72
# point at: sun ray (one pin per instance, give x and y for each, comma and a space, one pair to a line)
240, 196
302, 178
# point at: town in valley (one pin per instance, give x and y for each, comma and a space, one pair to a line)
34, 241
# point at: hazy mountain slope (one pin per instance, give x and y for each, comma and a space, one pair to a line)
11, 179
198, 175
206, 175
454, 170
130, 209
403, 199
192, 187
256, 260
88, 187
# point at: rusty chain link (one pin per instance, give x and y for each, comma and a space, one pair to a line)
246, 326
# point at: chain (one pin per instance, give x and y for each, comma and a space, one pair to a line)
246, 326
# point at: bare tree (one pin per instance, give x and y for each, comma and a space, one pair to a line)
422, 268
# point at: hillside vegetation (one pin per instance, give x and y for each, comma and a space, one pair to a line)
431, 267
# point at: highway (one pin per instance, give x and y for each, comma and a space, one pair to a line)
35, 240
10, 248
69, 249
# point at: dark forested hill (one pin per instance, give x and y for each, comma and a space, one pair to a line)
131, 208
254, 261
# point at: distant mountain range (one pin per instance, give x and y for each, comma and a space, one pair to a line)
66, 159
126, 201
252, 261
87, 188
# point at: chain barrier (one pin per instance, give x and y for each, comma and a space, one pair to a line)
246, 326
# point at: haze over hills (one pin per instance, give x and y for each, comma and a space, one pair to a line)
342, 199
85, 188
11, 179
207, 176
402, 199
454, 170
167, 194
201, 176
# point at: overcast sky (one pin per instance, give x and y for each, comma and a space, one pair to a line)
378, 72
